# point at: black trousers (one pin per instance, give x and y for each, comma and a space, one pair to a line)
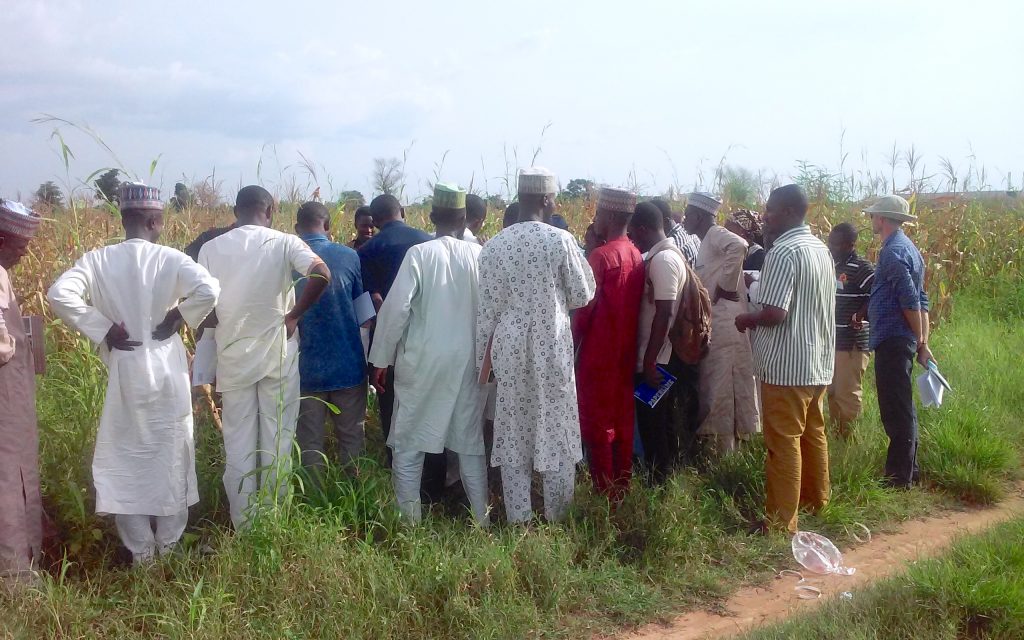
435, 465
894, 365
658, 428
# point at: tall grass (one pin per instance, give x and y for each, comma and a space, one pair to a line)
339, 563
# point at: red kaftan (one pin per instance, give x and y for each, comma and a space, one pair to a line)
606, 331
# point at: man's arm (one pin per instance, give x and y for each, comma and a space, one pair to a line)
735, 251
394, 318
584, 316
67, 298
318, 278
659, 332
775, 293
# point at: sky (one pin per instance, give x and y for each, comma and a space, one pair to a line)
641, 93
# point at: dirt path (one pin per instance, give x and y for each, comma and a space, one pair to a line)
884, 555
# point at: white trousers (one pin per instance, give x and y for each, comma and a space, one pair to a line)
407, 474
259, 429
145, 540
559, 489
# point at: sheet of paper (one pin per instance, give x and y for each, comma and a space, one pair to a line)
204, 363
364, 308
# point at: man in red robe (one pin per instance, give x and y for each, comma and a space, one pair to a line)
605, 333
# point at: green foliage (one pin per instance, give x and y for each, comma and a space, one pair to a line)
342, 548
107, 186
577, 189
50, 195
351, 200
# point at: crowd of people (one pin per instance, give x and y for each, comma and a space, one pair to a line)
525, 352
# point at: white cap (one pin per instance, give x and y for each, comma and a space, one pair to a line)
616, 200
537, 181
703, 201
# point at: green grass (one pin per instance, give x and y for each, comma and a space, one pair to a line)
974, 590
340, 564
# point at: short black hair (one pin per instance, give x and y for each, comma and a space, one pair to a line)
447, 215
790, 196
385, 207
511, 215
648, 216
476, 207
663, 206
846, 232
361, 212
253, 198
311, 213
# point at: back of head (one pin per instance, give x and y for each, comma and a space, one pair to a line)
312, 216
845, 232
511, 215
385, 208
664, 207
476, 208
253, 199
789, 198
647, 216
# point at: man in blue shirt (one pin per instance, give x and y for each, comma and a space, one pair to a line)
332, 365
898, 313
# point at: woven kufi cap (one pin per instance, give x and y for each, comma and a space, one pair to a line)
18, 220
137, 196
703, 201
537, 181
616, 200
892, 207
449, 196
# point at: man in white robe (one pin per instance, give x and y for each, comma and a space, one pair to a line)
728, 399
257, 347
531, 276
426, 329
125, 298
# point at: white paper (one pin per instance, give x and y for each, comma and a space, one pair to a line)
204, 363
932, 386
364, 308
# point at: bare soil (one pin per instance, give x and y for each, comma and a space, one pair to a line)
883, 556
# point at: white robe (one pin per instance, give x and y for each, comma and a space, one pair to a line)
144, 463
427, 330
728, 404
531, 276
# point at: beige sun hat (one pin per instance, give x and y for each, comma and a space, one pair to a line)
892, 207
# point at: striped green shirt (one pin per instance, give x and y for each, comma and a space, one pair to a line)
799, 277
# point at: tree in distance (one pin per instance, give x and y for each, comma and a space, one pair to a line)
107, 186
50, 195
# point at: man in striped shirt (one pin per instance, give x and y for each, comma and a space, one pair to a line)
854, 277
688, 243
794, 353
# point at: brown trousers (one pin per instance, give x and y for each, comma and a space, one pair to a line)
797, 466
845, 394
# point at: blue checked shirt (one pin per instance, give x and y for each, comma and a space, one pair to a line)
899, 286
330, 347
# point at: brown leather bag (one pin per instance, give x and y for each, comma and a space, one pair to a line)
690, 333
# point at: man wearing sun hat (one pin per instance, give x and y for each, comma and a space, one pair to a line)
125, 298
531, 276
21, 511
426, 330
605, 332
727, 398
898, 313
